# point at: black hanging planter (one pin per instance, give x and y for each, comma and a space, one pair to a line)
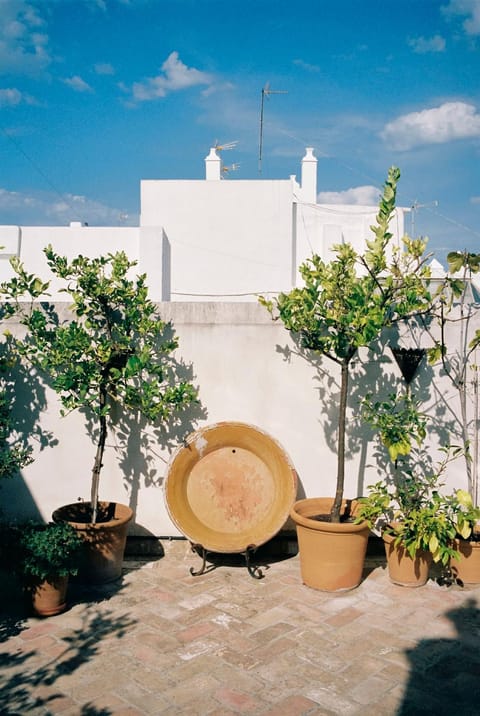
408, 360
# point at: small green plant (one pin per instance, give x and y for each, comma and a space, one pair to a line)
414, 511
345, 304
114, 349
398, 422
464, 515
48, 551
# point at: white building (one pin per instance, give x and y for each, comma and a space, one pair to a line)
212, 239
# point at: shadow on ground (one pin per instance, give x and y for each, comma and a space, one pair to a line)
29, 674
445, 673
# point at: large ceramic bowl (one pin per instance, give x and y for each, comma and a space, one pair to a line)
231, 486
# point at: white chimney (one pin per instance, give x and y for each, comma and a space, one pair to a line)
309, 177
213, 166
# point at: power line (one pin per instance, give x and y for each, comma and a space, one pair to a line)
359, 172
39, 171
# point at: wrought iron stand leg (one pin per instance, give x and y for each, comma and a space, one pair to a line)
202, 552
253, 569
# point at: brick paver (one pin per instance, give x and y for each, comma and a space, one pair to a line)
160, 641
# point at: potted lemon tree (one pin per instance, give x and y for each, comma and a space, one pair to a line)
112, 349
344, 305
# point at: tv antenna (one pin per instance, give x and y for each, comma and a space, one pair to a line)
415, 207
225, 146
231, 168
266, 92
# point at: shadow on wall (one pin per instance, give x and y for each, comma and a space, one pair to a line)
373, 371
444, 673
25, 391
139, 446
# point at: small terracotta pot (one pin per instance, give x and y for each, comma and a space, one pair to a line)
332, 555
49, 597
467, 568
402, 569
104, 541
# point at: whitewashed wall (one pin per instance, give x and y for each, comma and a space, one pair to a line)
241, 362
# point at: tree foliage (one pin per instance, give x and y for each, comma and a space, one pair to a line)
345, 304
114, 349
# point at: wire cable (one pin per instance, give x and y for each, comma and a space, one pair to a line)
18, 146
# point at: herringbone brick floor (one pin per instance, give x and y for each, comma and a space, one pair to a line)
161, 641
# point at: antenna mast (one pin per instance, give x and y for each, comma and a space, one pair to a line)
415, 207
266, 91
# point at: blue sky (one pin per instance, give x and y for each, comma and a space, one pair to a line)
96, 95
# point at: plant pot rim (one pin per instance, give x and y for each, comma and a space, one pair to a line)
475, 540
389, 538
303, 512
119, 514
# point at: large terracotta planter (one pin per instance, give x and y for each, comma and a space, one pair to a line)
466, 569
402, 569
49, 597
331, 555
104, 541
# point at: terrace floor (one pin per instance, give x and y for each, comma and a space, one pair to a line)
160, 641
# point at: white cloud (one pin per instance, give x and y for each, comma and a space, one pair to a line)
76, 83
306, 66
450, 121
104, 68
475, 200
11, 96
23, 43
470, 10
14, 200
49, 209
360, 195
175, 76
424, 45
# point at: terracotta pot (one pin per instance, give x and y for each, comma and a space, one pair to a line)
466, 569
402, 569
331, 555
104, 541
49, 597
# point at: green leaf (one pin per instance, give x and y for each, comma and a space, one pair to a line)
464, 498
456, 261
433, 544
134, 365
464, 530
